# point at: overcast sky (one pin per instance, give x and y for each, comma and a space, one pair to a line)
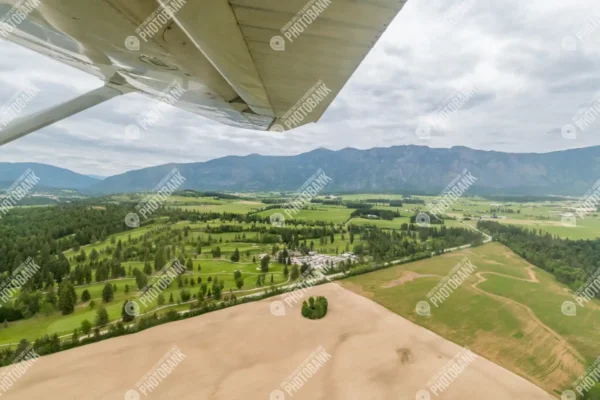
528, 80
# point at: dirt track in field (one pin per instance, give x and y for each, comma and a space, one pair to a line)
246, 353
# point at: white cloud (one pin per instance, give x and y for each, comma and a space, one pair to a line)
511, 51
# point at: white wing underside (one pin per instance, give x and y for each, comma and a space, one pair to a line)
218, 50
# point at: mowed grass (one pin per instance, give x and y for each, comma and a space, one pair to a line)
588, 228
546, 299
40, 325
396, 223
316, 212
122, 236
506, 318
239, 207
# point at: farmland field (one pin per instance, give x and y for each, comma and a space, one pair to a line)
507, 311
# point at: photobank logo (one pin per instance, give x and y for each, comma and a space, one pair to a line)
311, 188
153, 201
459, 185
309, 278
588, 204
19, 366
570, 43
583, 295
14, 107
441, 117
157, 111
445, 287
448, 374
569, 220
19, 277
17, 191
154, 23
450, 20
16, 15
583, 120
303, 107
277, 220
306, 370
160, 282
301, 21
584, 382
159, 372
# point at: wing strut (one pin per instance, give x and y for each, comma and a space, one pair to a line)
30, 123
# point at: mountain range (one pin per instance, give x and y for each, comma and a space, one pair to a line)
398, 169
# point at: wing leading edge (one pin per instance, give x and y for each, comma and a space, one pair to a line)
255, 64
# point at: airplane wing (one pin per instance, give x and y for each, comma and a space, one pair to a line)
256, 64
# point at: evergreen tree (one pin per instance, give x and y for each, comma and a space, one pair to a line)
147, 268
264, 264
159, 260
67, 298
125, 316
235, 257
295, 272
239, 282
86, 327
107, 293
75, 336
101, 317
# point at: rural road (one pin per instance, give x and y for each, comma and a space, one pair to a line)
259, 292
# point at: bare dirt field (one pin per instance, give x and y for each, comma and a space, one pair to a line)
408, 276
245, 352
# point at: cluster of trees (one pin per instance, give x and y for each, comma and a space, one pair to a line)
48, 231
383, 214
378, 201
411, 200
330, 202
358, 205
433, 219
314, 308
572, 262
414, 241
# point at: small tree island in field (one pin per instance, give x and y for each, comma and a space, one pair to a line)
315, 308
